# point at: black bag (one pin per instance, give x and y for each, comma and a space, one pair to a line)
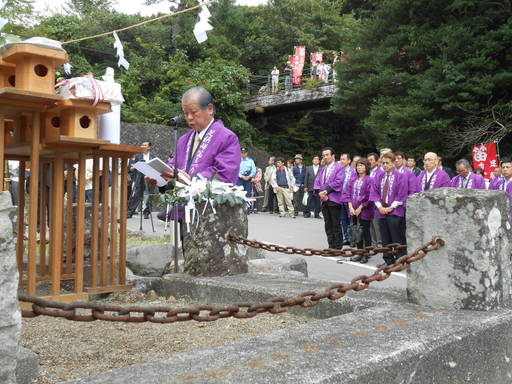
355, 233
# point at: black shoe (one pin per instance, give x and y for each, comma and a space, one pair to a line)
346, 242
382, 265
307, 215
317, 217
146, 215
364, 259
356, 258
129, 216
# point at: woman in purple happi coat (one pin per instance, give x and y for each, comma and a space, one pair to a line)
328, 185
466, 178
361, 209
504, 182
432, 177
389, 193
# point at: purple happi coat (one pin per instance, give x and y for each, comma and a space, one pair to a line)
475, 182
352, 177
330, 181
359, 194
412, 182
218, 154
502, 185
397, 192
439, 179
376, 171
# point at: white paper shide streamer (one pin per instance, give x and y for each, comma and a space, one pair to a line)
120, 52
67, 68
203, 25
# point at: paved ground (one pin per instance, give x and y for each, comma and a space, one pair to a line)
299, 232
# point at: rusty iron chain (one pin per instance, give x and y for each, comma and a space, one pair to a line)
164, 314
392, 249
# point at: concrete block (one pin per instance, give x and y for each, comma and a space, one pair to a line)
473, 269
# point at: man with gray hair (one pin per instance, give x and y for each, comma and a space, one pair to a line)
209, 149
466, 178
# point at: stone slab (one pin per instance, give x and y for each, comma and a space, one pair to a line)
27, 369
150, 259
385, 344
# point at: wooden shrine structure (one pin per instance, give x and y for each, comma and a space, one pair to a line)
57, 136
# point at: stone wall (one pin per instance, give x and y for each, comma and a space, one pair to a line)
162, 137
10, 316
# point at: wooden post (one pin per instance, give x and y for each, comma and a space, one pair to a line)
113, 220
104, 222
122, 226
2, 153
95, 221
69, 217
42, 220
80, 226
21, 219
34, 185
57, 224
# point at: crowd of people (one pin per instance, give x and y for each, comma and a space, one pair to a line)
369, 191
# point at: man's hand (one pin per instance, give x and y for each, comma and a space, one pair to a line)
323, 195
359, 210
383, 211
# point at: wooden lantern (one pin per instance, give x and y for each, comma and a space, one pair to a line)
7, 74
79, 118
9, 132
50, 127
35, 66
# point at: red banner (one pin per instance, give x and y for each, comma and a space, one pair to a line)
485, 156
300, 58
316, 56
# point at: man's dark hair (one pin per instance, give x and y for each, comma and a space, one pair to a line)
505, 160
313, 158
346, 154
204, 97
328, 149
279, 159
401, 154
375, 156
463, 162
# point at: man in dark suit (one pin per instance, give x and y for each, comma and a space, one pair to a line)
141, 188
309, 182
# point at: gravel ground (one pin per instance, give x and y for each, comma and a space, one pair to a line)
69, 350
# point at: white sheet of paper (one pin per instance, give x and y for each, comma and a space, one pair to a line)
159, 165
149, 171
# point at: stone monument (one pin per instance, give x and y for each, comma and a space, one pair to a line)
207, 250
472, 270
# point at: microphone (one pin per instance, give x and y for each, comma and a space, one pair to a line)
176, 120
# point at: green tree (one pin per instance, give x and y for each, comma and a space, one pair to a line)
424, 67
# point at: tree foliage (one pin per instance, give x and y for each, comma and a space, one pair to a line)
424, 68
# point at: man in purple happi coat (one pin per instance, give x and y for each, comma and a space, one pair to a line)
375, 170
466, 178
348, 177
209, 149
432, 177
504, 182
412, 183
328, 185
389, 193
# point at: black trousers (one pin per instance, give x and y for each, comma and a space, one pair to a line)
366, 238
271, 200
392, 231
297, 200
313, 203
331, 212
